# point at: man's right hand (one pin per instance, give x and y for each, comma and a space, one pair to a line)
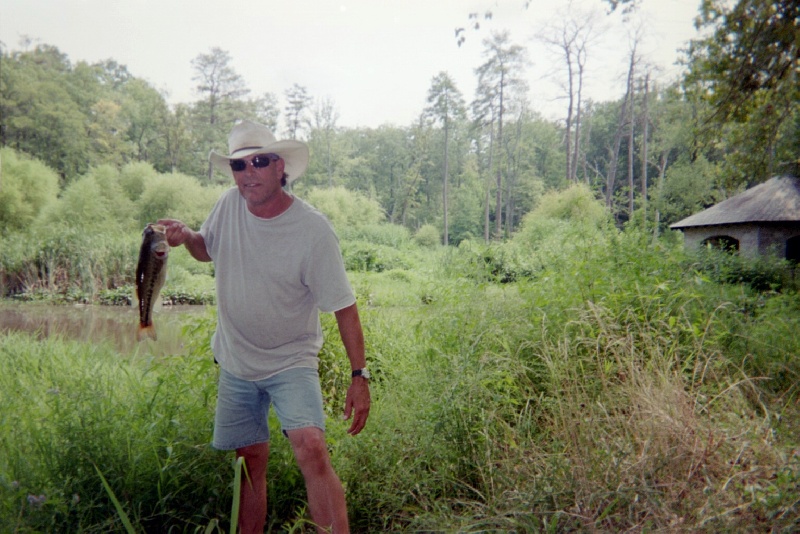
180, 234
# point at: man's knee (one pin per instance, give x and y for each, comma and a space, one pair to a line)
255, 456
310, 448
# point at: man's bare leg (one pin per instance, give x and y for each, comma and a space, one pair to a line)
253, 503
326, 499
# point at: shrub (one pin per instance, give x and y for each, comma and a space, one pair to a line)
28, 186
344, 208
94, 200
495, 262
576, 204
362, 256
176, 196
427, 236
392, 235
762, 273
134, 177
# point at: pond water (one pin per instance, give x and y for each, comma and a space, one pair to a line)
99, 324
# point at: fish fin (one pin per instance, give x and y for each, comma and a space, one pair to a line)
148, 331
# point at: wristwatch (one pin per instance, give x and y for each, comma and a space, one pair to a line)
363, 373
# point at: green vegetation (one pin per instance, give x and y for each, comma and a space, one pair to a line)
473, 164
577, 377
543, 360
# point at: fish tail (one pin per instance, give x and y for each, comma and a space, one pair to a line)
146, 331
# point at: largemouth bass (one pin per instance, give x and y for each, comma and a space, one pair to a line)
150, 275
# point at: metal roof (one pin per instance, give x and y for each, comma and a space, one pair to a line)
776, 200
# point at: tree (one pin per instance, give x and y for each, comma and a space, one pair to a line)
39, 112
498, 76
266, 111
570, 38
747, 70
446, 106
297, 102
629, 5
219, 87
625, 111
323, 133
147, 117
671, 117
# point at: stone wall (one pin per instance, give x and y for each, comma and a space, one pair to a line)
754, 239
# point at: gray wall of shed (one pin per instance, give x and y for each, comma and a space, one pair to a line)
753, 239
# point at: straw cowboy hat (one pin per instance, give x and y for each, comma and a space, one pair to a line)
247, 138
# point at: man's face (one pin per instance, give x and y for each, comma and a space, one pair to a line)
260, 179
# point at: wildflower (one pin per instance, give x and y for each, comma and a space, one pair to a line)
36, 502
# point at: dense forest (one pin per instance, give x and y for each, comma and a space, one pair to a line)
471, 168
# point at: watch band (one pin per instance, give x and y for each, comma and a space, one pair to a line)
363, 373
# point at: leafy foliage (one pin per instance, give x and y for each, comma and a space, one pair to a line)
615, 384
747, 71
345, 209
427, 236
176, 196
93, 199
28, 187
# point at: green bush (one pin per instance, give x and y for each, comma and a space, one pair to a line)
576, 204
495, 262
363, 256
27, 188
391, 235
92, 200
134, 177
345, 209
427, 236
176, 196
762, 273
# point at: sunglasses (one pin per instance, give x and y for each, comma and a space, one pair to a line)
259, 162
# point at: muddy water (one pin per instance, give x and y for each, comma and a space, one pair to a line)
99, 324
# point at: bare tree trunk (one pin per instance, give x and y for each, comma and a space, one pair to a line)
486, 222
631, 139
512, 170
570, 107
577, 150
444, 184
571, 38
584, 163
611, 178
645, 124
662, 169
498, 211
623, 118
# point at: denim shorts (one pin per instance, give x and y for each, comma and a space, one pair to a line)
243, 406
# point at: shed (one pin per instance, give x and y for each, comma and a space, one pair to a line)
763, 219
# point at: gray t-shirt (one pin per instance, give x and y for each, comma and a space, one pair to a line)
273, 277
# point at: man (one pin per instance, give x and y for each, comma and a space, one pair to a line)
277, 263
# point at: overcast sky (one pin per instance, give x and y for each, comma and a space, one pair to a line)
374, 59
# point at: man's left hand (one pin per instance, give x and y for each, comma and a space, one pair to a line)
358, 401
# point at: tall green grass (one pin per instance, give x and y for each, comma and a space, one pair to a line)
608, 385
